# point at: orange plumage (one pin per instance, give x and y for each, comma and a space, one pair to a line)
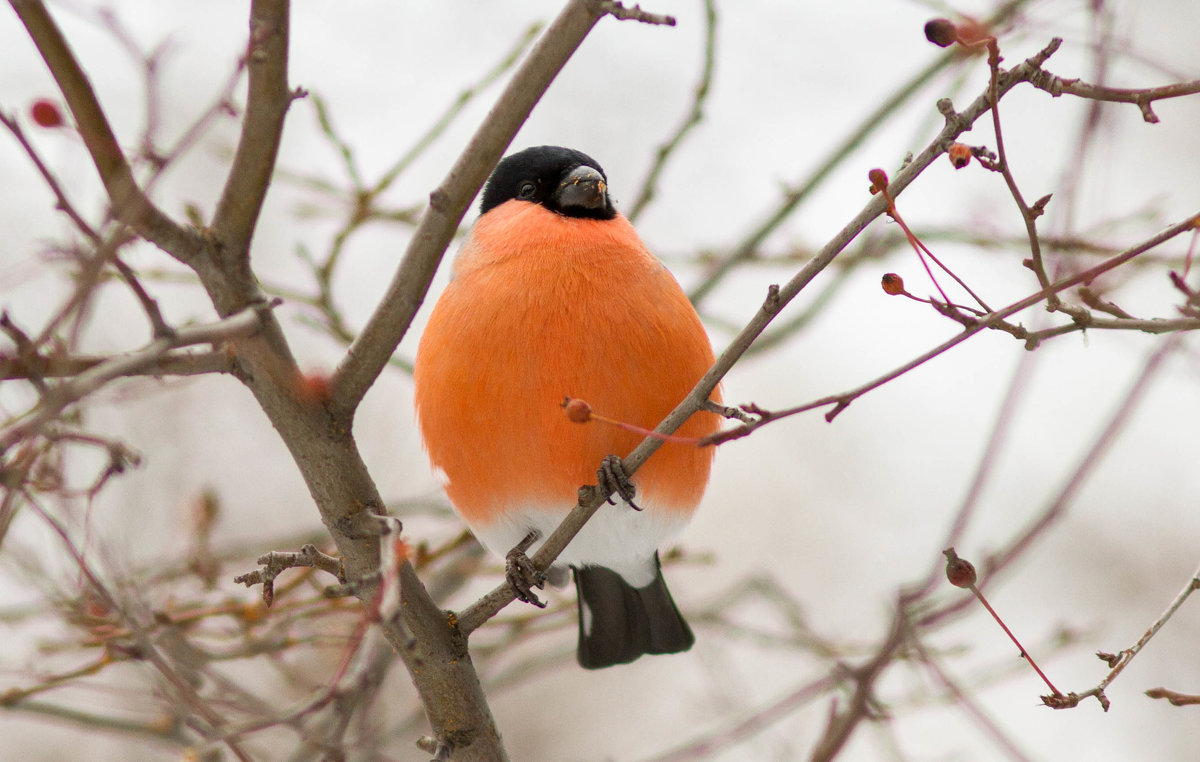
544, 304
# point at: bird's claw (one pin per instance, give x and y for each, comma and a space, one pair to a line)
522, 575
612, 477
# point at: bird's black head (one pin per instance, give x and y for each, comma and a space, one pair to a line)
564, 181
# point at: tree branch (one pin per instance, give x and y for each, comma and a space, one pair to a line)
795, 196
1142, 98
694, 115
1120, 661
60, 397
130, 203
262, 126
170, 364
841, 401
619, 11
448, 203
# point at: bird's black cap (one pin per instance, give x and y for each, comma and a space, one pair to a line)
538, 175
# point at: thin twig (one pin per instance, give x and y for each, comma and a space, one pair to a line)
1122, 660
130, 203
620, 12
841, 401
70, 392
708, 744
1143, 98
66, 366
695, 114
964, 700
795, 196
62, 203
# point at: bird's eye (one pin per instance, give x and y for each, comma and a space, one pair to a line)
527, 190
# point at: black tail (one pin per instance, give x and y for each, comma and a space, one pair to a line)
619, 622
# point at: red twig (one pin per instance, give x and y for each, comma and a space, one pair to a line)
961, 573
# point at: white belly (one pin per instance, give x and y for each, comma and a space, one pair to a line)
616, 537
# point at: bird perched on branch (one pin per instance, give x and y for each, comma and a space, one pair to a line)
554, 295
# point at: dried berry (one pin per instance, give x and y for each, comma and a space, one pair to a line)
960, 155
941, 32
959, 571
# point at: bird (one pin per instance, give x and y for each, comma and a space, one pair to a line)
553, 295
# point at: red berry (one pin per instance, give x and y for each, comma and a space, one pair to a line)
578, 411
892, 284
46, 113
959, 571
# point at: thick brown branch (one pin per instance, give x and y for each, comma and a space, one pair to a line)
254, 161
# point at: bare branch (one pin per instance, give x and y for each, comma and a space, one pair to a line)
266, 105
1029, 214
694, 115
65, 366
796, 195
841, 401
130, 204
1142, 98
962, 698
1176, 699
842, 724
707, 745
439, 126
152, 730
277, 561
62, 203
619, 11
62, 396
1120, 661
448, 203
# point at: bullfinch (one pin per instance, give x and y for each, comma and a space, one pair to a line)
554, 295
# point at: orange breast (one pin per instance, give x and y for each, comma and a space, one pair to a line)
543, 307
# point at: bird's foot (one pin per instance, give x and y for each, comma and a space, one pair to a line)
521, 574
612, 478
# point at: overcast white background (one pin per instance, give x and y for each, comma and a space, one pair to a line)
839, 514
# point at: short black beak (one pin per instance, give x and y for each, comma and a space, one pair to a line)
583, 188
